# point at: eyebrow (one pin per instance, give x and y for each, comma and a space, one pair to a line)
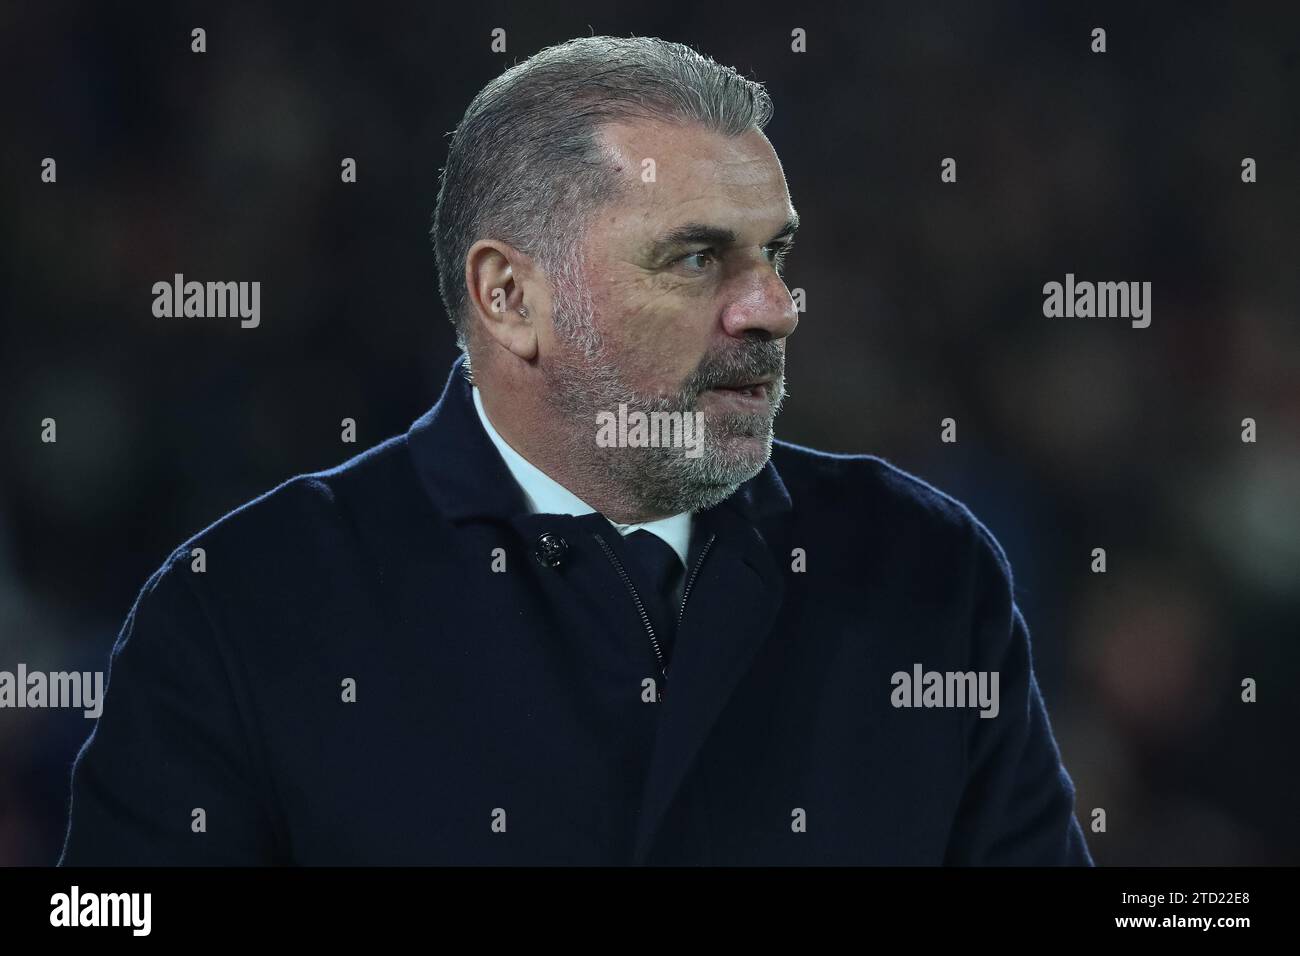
699, 233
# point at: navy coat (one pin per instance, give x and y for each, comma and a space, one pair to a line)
509, 716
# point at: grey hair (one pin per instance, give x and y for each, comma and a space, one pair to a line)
524, 165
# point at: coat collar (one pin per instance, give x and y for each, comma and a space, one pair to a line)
464, 476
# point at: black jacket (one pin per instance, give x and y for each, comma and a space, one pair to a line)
503, 716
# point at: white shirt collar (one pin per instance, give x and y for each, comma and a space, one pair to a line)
545, 495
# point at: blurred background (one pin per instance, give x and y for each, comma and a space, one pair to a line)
924, 301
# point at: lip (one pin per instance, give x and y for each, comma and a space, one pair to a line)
764, 384
750, 396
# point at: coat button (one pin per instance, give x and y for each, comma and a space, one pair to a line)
550, 550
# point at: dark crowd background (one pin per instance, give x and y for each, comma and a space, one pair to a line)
924, 301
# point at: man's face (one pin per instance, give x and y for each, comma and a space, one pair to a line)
679, 307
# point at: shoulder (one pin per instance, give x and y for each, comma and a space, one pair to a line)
309, 516
880, 496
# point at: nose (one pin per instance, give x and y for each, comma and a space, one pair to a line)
763, 308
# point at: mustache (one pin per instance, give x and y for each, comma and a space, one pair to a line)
756, 361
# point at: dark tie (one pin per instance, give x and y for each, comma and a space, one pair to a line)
656, 573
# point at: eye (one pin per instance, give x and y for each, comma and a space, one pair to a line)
701, 254
776, 252
779, 250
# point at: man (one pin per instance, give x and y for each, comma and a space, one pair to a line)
534, 630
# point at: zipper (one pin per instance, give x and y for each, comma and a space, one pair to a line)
690, 582
640, 605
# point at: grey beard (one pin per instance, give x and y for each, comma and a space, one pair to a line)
657, 480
